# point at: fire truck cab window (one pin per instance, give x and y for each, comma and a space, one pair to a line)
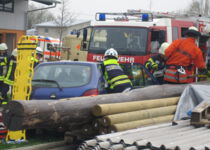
99, 39
124, 40
157, 38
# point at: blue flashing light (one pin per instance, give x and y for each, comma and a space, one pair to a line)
47, 38
145, 17
102, 17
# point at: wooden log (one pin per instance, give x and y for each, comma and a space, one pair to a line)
52, 113
139, 123
138, 115
108, 109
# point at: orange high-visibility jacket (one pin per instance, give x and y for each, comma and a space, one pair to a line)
182, 53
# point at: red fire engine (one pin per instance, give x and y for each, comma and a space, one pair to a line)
136, 36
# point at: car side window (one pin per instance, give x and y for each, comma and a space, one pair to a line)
41, 72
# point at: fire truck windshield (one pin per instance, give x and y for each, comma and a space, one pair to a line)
126, 40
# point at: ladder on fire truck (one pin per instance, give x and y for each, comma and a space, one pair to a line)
23, 76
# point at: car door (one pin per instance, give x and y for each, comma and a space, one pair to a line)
141, 77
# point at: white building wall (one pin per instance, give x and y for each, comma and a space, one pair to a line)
49, 32
78, 26
16, 20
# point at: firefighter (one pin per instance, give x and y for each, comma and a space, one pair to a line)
39, 56
114, 74
10, 75
183, 55
156, 64
3, 69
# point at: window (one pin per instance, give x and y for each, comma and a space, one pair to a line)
127, 41
50, 47
7, 5
46, 30
1, 38
66, 75
175, 33
183, 31
157, 38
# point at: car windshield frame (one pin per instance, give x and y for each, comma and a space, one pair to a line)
65, 75
126, 40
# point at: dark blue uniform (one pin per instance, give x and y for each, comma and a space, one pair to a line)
3, 69
10, 76
114, 75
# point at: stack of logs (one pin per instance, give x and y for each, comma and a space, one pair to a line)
74, 115
128, 115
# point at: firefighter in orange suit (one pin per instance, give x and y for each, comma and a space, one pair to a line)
183, 55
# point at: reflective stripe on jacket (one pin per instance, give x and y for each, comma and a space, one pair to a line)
151, 65
35, 60
172, 75
156, 62
114, 74
3, 66
182, 53
9, 78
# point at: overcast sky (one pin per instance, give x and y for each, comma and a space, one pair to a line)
86, 9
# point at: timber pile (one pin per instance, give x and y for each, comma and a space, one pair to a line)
128, 115
74, 114
20, 114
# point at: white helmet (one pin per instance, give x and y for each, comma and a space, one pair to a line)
39, 50
192, 32
193, 28
3, 47
163, 47
14, 52
111, 52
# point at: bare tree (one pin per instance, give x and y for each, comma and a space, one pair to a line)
64, 18
206, 8
40, 16
195, 7
199, 7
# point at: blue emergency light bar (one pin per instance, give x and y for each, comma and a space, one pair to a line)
124, 16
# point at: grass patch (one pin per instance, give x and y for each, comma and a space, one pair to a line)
34, 139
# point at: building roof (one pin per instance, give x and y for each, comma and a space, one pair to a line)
166, 136
53, 23
47, 2
47, 24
